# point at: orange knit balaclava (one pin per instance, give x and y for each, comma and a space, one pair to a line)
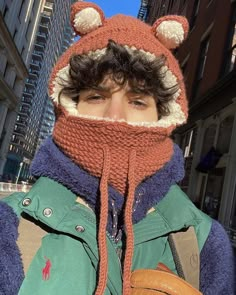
121, 154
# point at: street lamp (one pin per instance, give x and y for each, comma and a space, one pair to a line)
18, 175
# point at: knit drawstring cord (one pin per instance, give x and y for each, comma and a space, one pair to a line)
129, 225
102, 244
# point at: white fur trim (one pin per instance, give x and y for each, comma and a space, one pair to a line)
87, 20
61, 76
170, 33
97, 53
176, 117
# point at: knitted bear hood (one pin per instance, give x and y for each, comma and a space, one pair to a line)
167, 33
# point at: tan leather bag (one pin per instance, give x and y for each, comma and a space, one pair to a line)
151, 281
184, 247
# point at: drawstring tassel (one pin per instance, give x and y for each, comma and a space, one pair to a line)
129, 225
102, 244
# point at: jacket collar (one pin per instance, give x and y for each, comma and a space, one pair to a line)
52, 163
172, 213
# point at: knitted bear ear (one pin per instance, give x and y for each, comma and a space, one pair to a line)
171, 30
86, 17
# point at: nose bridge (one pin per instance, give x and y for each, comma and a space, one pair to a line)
116, 107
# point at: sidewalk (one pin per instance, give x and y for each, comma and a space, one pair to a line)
9, 188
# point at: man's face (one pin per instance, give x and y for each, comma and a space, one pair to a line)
118, 103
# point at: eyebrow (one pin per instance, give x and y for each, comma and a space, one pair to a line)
135, 90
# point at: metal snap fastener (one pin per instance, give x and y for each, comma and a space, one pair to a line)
79, 228
47, 212
26, 202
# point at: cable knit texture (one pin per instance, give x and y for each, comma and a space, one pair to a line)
11, 267
83, 140
51, 162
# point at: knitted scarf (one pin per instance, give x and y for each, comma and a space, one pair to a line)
101, 145
120, 154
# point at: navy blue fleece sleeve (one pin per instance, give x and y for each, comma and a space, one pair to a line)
11, 268
217, 263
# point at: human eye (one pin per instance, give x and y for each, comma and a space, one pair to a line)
138, 102
94, 97
91, 97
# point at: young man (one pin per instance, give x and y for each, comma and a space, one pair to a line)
106, 191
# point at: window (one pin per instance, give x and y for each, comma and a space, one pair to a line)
5, 12
209, 139
33, 6
27, 30
188, 142
202, 58
171, 2
143, 10
201, 65
194, 13
225, 133
184, 67
232, 58
209, 2
213, 192
21, 8
230, 63
6, 69
15, 34
182, 7
49, 4
22, 51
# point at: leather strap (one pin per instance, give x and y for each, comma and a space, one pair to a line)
184, 247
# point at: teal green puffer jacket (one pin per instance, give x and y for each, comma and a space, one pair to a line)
71, 246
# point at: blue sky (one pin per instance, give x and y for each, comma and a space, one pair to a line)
111, 7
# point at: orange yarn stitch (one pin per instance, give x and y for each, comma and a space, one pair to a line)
102, 246
129, 225
124, 30
83, 141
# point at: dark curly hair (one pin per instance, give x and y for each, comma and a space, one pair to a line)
121, 65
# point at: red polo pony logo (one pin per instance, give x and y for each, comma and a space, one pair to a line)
46, 270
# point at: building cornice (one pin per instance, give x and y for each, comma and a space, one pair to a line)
12, 51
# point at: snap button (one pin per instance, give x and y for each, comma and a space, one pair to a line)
26, 202
79, 228
47, 212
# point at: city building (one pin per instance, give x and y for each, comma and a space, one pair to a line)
18, 23
208, 62
143, 10
35, 119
